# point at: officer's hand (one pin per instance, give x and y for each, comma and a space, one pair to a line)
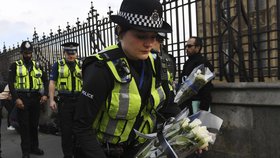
9, 97
43, 99
19, 104
53, 105
199, 151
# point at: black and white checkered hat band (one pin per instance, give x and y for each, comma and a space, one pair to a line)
142, 20
70, 48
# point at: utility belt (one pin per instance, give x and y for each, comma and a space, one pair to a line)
67, 97
119, 150
29, 94
113, 150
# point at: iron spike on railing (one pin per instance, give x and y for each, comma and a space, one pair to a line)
110, 11
51, 33
59, 30
44, 36
4, 47
78, 22
68, 26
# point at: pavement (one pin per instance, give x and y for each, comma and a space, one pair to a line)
10, 144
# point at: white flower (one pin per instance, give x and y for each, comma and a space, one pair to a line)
194, 123
185, 122
183, 136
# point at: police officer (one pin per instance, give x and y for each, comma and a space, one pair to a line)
167, 60
122, 90
26, 81
66, 79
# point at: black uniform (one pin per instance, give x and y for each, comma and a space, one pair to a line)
66, 106
28, 118
204, 94
97, 85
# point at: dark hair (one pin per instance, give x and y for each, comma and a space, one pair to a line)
198, 41
160, 39
120, 29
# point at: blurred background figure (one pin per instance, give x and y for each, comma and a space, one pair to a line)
195, 58
167, 60
6, 101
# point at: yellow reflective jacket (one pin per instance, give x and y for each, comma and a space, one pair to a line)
28, 81
117, 117
64, 84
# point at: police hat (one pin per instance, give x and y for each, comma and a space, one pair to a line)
26, 47
70, 47
145, 15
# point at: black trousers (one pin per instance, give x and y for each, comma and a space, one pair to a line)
28, 119
66, 115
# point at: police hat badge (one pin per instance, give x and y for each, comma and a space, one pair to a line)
70, 47
145, 15
26, 47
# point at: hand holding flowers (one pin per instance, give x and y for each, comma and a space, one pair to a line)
193, 83
182, 136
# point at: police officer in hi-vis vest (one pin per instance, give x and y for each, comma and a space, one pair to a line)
168, 61
26, 82
122, 86
65, 78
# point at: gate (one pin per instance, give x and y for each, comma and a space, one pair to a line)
240, 37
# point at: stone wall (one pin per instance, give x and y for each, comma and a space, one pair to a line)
251, 114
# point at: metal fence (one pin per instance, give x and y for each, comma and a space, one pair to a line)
240, 37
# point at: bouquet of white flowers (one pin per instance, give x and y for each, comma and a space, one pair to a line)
181, 136
193, 83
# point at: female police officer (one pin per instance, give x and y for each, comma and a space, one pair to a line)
122, 88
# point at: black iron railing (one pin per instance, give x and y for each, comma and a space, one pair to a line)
240, 37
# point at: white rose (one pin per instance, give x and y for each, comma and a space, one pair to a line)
195, 122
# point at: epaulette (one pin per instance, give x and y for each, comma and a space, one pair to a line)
61, 62
37, 64
105, 55
19, 62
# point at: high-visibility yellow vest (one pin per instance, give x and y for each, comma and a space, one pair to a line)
117, 117
24, 78
65, 77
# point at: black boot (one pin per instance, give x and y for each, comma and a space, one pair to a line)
37, 151
25, 155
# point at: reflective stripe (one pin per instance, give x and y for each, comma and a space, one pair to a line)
122, 110
111, 127
20, 70
161, 94
115, 122
61, 69
24, 78
64, 80
123, 101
